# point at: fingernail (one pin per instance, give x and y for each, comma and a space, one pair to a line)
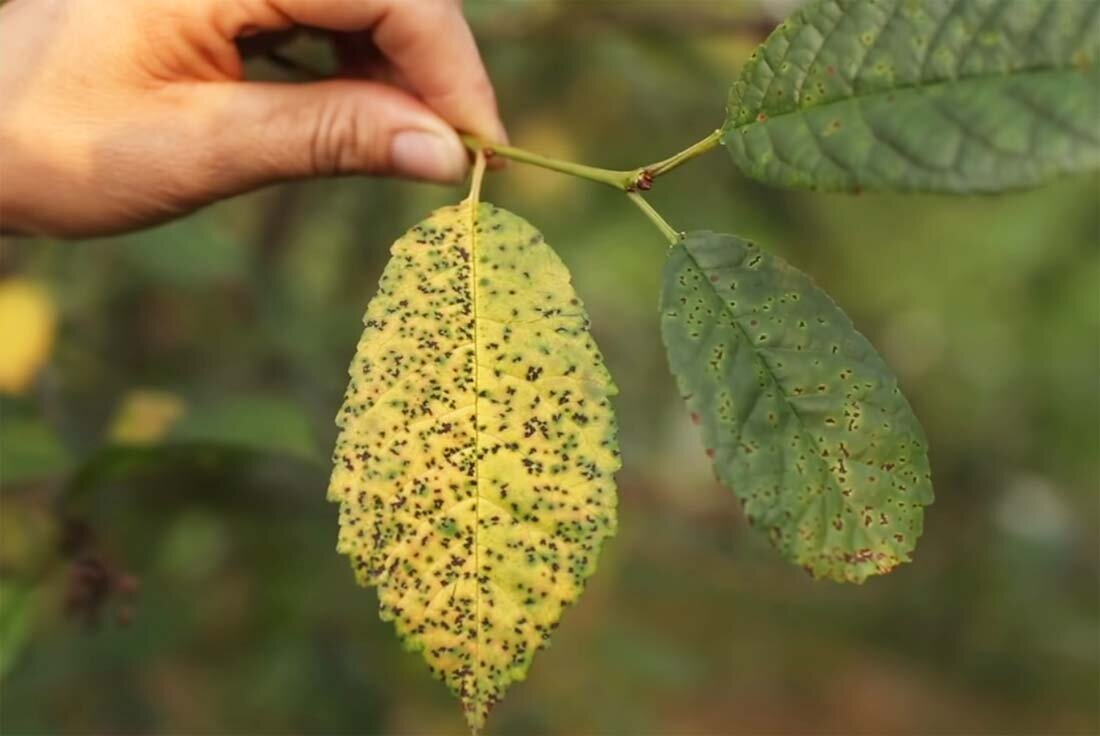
422, 155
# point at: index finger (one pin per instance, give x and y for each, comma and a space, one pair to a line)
428, 41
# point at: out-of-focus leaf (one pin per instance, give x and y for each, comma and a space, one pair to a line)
28, 322
112, 463
194, 545
938, 95
221, 437
144, 416
475, 463
256, 423
16, 616
30, 451
803, 419
29, 534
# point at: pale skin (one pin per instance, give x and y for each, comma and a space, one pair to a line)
122, 114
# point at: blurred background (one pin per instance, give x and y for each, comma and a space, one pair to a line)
167, 558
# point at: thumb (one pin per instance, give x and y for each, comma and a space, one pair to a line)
269, 132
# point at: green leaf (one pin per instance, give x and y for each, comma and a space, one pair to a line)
474, 467
115, 463
803, 419
220, 437
17, 604
935, 95
30, 451
257, 423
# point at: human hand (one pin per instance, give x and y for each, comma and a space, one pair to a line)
121, 114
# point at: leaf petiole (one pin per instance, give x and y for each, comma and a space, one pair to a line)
475, 180
673, 235
697, 149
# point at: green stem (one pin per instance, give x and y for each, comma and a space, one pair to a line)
625, 181
621, 180
667, 230
670, 163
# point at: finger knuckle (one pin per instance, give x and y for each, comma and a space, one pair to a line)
341, 141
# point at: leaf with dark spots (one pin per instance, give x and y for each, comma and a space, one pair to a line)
807, 426
449, 458
935, 95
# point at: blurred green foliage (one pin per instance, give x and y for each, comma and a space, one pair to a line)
245, 316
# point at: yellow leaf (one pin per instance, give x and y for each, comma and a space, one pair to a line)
27, 326
474, 467
145, 416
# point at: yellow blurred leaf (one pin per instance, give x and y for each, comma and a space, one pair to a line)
28, 321
144, 416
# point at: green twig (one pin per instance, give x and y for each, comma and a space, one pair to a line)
667, 230
626, 181
621, 180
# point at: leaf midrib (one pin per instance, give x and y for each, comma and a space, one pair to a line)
771, 375
475, 207
905, 88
